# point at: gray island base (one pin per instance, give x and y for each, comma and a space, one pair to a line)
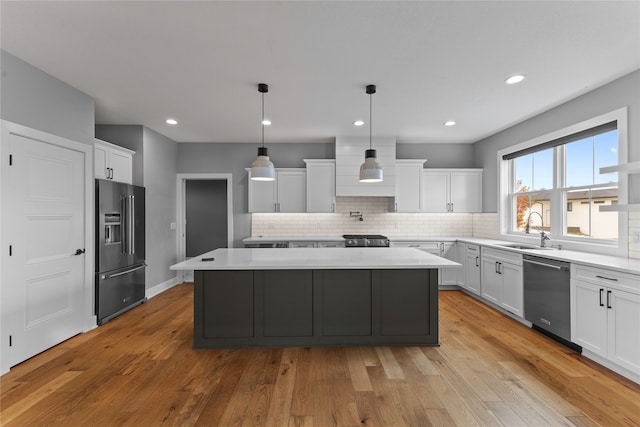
244, 307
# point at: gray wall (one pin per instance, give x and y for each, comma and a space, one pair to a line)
38, 100
154, 167
160, 155
623, 92
234, 158
438, 155
127, 136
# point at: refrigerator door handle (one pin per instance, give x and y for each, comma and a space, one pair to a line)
132, 225
122, 273
124, 225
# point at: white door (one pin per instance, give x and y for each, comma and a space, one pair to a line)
512, 288
292, 188
466, 192
262, 195
43, 298
491, 283
435, 191
589, 317
624, 329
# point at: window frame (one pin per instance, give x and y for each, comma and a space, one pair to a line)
506, 175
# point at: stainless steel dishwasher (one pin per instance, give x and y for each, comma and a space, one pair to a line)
546, 297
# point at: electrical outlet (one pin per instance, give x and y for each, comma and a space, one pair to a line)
636, 237
173, 226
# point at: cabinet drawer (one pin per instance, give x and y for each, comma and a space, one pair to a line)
503, 256
420, 245
302, 244
609, 278
472, 249
331, 244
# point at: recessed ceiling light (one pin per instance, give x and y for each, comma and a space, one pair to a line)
171, 121
358, 123
450, 123
516, 78
266, 122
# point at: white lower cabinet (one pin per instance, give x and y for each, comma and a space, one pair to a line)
605, 319
472, 268
448, 250
502, 279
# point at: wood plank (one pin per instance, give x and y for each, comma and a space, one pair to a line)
140, 369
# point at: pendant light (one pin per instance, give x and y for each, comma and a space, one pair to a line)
370, 171
262, 169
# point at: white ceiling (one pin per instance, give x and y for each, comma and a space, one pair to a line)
200, 62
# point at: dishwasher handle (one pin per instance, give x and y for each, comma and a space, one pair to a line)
557, 267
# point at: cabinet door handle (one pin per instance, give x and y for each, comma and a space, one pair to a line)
601, 303
609, 299
477, 259
451, 207
607, 278
442, 248
333, 207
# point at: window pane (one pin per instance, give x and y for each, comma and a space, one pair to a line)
606, 154
523, 173
579, 163
533, 209
585, 219
543, 170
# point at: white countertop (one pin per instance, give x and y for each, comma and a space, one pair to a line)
626, 265
314, 259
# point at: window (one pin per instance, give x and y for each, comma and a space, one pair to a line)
584, 183
553, 183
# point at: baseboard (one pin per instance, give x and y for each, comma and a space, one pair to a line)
160, 288
612, 366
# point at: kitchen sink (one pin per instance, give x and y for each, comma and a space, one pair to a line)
519, 246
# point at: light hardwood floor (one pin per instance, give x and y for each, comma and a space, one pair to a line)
139, 370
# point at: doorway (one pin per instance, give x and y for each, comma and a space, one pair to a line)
205, 215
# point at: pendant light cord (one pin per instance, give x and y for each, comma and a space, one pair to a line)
262, 122
370, 115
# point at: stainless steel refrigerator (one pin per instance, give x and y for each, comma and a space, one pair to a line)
120, 266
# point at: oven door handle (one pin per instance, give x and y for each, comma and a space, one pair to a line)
557, 267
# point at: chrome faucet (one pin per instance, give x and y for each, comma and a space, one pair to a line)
543, 236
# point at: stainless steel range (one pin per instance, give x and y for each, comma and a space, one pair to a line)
365, 241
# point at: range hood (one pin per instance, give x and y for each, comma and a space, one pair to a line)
349, 157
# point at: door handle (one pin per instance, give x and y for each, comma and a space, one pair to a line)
477, 265
79, 251
601, 303
609, 299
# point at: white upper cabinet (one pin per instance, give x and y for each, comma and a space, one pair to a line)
321, 185
291, 190
287, 193
452, 190
349, 157
112, 162
409, 185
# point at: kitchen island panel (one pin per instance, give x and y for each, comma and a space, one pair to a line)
406, 304
346, 302
223, 311
287, 302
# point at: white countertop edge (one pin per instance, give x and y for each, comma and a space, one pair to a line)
315, 259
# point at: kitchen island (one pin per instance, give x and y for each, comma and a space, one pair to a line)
315, 297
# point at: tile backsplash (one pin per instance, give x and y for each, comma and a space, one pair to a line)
377, 219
